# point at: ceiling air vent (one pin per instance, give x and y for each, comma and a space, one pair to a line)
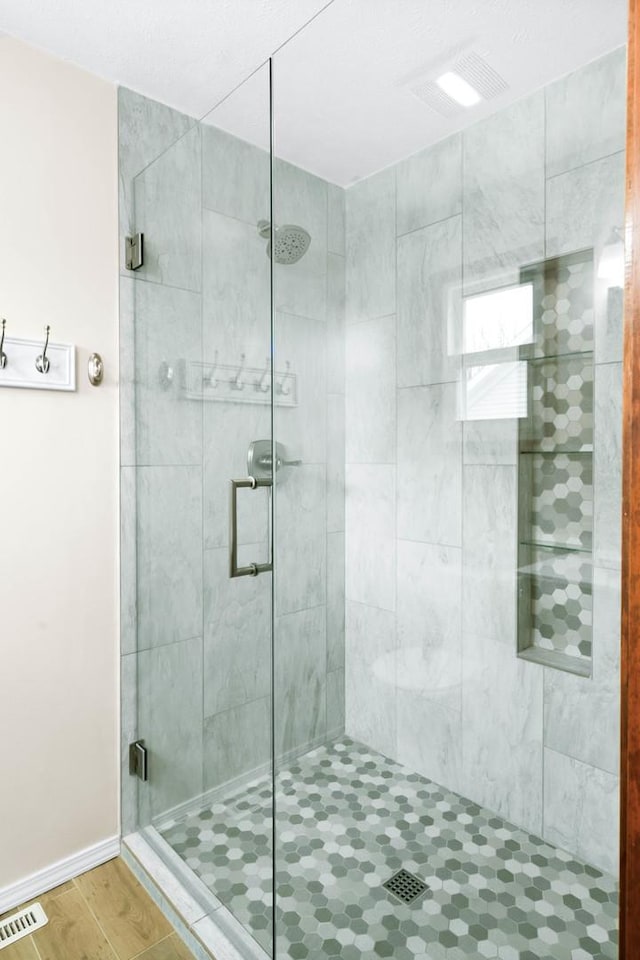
475, 71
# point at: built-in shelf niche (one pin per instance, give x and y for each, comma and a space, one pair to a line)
555, 466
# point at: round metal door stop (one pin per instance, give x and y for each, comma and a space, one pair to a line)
96, 369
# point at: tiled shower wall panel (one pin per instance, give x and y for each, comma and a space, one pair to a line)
432, 675
195, 645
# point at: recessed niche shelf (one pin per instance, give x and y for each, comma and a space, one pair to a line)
552, 562
585, 448
555, 603
549, 658
555, 469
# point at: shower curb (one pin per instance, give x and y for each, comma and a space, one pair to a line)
209, 930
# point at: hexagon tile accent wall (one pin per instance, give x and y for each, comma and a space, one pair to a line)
555, 528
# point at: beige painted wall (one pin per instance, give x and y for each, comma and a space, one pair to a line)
58, 466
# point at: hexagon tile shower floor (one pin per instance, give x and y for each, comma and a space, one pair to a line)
348, 819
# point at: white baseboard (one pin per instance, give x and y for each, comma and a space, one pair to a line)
38, 883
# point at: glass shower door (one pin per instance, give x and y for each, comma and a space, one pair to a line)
203, 441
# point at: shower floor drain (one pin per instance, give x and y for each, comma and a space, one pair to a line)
405, 886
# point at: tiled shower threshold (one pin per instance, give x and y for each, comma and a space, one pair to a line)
347, 820
207, 927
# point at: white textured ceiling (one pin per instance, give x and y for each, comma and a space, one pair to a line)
342, 87
187, 53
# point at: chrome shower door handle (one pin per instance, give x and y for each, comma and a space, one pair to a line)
253, 569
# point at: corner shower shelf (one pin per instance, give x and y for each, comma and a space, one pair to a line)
555, 469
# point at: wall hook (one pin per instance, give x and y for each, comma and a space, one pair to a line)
263, 383
42, 362
237, 383
210, 380
3, 356
282, 390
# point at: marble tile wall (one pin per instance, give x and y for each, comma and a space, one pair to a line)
197, 646
432, 673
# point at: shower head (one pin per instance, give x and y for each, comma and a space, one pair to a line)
291, 241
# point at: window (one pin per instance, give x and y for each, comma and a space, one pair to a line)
495, 387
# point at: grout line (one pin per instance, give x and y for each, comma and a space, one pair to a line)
589, 163
328, 432
370, 463
167, 643
570, 756
379, 316
203, 477
97, 922
151, 945
463, 478
35, 946
531, 617
160, 283
606, 363
224, 214
298, 316
245, 703
426, 226
169, 466
370, 606
426, 386
274, 332
51, 899
395, 512
545, 177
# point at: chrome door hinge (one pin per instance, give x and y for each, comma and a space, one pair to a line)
133, 248
138, 760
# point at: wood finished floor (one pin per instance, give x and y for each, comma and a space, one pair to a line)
102, 915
